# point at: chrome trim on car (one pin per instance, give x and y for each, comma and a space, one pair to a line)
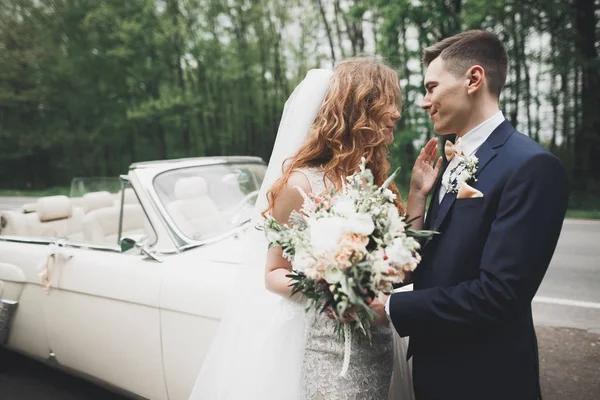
27, 239
195, 162
7, 311
68, 243
51, 357
214, 239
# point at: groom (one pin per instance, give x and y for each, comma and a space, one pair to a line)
469, 318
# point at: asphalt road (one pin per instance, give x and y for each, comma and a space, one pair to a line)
9, 203
570, 292
566, 312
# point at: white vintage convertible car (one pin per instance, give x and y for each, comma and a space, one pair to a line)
127, 289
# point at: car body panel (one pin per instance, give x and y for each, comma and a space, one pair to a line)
124, 319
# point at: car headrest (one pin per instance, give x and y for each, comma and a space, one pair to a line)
53, 207
96, 200
190, 188
28, 208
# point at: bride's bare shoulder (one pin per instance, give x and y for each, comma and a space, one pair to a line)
289, 198
298, 179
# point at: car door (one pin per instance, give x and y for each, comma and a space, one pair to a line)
193, 297
25, 332
103, 319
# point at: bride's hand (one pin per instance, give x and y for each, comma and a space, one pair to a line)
348, 316
424, 172
378, 306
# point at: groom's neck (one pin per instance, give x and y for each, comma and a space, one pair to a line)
479, 115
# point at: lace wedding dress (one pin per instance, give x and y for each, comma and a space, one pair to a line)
370, 370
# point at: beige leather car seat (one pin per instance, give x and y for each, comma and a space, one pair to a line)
54, 217
101, 226
194, 212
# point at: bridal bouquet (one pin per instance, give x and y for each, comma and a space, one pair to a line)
346, 248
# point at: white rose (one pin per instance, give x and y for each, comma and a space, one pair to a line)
325, 233
360, 223
398, 254
333, 274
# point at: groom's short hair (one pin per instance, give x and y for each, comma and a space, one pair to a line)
461, 51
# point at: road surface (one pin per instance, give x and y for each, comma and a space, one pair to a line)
10, 203
570, 292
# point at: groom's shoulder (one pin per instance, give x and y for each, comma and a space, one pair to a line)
522, 147
521, 150
526, 145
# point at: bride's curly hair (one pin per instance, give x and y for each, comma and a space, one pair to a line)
349, 126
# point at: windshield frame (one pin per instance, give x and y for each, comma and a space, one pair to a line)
182, 241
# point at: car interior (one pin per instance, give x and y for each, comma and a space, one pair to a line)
92, 218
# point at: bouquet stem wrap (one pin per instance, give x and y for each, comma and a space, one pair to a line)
347, 350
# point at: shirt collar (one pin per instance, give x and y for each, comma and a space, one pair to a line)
473, 139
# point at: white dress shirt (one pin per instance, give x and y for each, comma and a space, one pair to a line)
469, 144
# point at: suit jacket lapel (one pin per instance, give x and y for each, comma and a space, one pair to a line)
485, 154
434, 201
444, 207
486, 151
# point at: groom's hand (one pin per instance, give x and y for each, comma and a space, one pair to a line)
378, 306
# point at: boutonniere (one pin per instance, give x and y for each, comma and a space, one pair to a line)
463, 172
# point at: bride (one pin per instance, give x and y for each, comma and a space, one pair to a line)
267, 347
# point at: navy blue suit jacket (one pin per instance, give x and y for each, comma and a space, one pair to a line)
469, 318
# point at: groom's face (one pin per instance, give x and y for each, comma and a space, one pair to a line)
445, 98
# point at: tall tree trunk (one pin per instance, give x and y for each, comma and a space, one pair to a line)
566, 112
264, 43
355, 34
337, 15
587, 139
131, 147
530, 131
451, 12
161, 141
406, 120
516, 88
537, 85
553, 96
243, 91
327, 29
177, 58
375, 27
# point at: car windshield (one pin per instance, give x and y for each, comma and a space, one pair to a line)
82, 186
206, 201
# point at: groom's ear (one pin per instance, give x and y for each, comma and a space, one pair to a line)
476, 78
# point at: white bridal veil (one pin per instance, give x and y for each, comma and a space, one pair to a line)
258, 349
